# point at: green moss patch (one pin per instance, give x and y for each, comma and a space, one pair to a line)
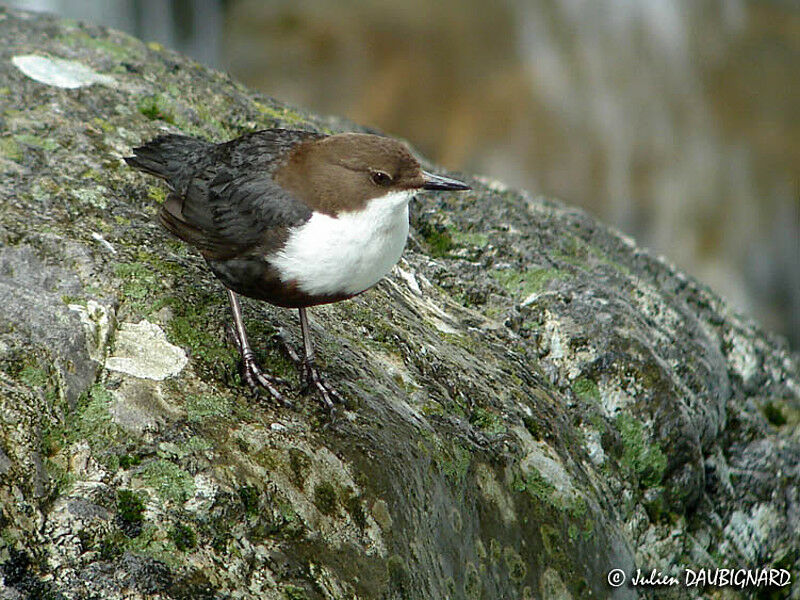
200, 407
35, 141
772, 411
157, 193
10, 148
299, 467
524, 283
141, 286
586, 389
438, 239
168, 480
399, 578
130, 512
279, 114
487, 421
33, 377
157, 108
114, 49
475, 240
325, 498
355, 509
250, 498
534, 484
183, 537
646, 461
91, 421
515, 564
454, 463
452, 459
473, 587
294, 592
196, 326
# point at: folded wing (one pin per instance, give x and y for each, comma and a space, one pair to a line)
223, 199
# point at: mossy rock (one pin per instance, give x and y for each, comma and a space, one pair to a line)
532, 400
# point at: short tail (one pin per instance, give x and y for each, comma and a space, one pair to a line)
169, 156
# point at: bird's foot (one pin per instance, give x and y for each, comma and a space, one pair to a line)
310, 376
257, 380
313, 380
287, 347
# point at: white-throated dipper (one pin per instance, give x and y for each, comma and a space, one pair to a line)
294, 218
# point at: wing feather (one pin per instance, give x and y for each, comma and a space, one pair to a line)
232, 205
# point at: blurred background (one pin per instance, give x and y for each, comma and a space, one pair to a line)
677, 121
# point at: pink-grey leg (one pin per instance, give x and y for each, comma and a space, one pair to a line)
253, 374
327, 394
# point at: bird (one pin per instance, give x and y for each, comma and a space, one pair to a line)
291, 217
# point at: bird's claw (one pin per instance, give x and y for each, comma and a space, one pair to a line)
313, 380
258, 380
310, 376
287, 347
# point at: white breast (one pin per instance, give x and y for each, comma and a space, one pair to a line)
348, 253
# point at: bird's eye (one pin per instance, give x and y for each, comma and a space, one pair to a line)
381, 178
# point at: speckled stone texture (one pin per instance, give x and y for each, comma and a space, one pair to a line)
532, 400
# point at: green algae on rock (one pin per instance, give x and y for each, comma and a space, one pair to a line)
532, 399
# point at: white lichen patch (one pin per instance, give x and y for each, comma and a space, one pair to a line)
747, 533
409, 278
142, 350
492, 184
494, 492
68, 518
742, 356
104, 242
551, 586
594, 446
432, 313
97, 323
206, 491
394, 367
95, 197
543, 459
614, 400
83, 466
553, 338
58, 72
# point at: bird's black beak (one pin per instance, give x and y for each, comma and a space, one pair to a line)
437, 182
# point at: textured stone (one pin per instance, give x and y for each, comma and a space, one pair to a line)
532, 399
142, 350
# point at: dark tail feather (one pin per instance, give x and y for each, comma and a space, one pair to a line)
167, 156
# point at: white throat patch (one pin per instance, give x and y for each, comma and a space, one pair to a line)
349, 253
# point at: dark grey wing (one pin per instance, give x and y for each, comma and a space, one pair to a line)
263, 149
229, 204
244, 206
231, 215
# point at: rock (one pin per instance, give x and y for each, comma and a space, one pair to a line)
142, 350
532, 400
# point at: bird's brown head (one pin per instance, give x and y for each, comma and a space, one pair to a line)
345, 171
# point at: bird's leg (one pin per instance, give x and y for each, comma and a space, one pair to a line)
310, 373
253, 374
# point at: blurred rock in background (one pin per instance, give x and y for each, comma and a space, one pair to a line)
676, 121
192, 27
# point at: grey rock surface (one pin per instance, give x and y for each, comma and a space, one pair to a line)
532, 400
